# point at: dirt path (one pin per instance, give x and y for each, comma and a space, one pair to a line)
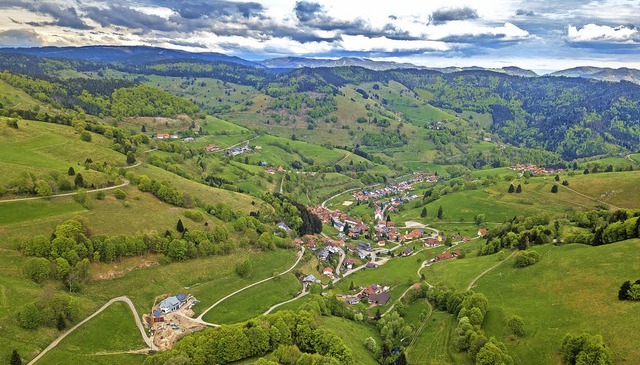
146, 338
588, 197
125, 183
302, 294
419, 330
344, 192
199, 318
243, 142
473, 282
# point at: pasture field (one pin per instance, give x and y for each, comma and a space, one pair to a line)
254, 301
433, 344
353, 334
459, 273
217, 126
616, 161
103, 340
207, 194
620, 189
498, 205
36, 147
573, 289
33, 210
208, 279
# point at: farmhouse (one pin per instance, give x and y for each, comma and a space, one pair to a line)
444, 256
349, 264
171, 304
379, 299
372, 265
328, 271
310, 279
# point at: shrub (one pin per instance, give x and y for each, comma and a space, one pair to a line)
515, 326
194, 215
119, 194
13, 123
85, 136
243, 269
526, 258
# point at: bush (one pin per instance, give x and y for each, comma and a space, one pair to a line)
12, 123
585, 349
100, 195
85, 136
243, 269
526, 258
119, 194
30, 317
194, 215
515, 326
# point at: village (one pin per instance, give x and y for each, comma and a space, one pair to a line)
535, 170
355, 245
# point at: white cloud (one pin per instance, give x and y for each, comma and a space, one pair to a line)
603, 33
362, 43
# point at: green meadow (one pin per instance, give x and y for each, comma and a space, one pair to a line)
105, 339
255, 300
573, 289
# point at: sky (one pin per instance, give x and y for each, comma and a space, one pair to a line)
542, 35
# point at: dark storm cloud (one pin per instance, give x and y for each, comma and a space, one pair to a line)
313, 16
19, 38
522, 12
62, 16
126, 17
446, 15
306, 11
195, 9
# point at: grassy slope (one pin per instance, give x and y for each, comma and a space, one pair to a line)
254, 301
209, 279
618, 188
205, 193
353, 334
572, 289
112, 331
43, 148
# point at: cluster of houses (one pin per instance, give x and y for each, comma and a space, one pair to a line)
273, 170
385, 231
446, 256
239, 150
535, 170
375, 294
393, 189
167, 136
340, 220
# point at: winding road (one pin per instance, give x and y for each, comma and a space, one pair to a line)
199, 318
146, 338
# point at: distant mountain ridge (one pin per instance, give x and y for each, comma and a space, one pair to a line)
135, 55
601, 73
300, 62
127, 54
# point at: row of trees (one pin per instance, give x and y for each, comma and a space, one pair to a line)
470, 309
606, 227
295, 338
520, 233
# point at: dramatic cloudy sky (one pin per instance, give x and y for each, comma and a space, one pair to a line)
535, 34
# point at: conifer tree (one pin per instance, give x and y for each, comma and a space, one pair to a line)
15, 358
180, 226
